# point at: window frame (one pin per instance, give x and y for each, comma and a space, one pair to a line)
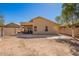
35, 28
46, 28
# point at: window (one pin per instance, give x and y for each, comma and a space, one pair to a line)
35, 28
46, 29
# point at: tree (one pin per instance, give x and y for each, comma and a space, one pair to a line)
70, 13
1, 24
59, 20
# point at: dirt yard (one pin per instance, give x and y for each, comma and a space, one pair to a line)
13, 46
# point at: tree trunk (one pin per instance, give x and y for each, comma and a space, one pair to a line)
1, 31
73, 32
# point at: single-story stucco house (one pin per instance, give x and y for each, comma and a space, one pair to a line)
39, 25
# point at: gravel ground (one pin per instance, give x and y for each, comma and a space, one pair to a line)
12, 46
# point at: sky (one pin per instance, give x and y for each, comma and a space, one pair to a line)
24, 12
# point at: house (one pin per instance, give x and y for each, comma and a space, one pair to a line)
39, 25
10, 29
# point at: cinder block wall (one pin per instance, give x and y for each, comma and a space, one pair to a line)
68, 31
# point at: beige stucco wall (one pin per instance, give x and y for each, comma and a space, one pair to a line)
10, 31
41, 24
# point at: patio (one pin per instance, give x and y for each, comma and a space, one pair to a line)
31, 36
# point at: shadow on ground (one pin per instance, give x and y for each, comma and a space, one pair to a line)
30, 36
74, 45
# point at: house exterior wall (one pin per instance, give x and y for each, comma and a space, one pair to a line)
10, 31
41, 24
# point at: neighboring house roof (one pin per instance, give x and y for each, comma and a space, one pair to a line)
12, 25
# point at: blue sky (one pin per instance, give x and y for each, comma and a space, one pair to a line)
20, 12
